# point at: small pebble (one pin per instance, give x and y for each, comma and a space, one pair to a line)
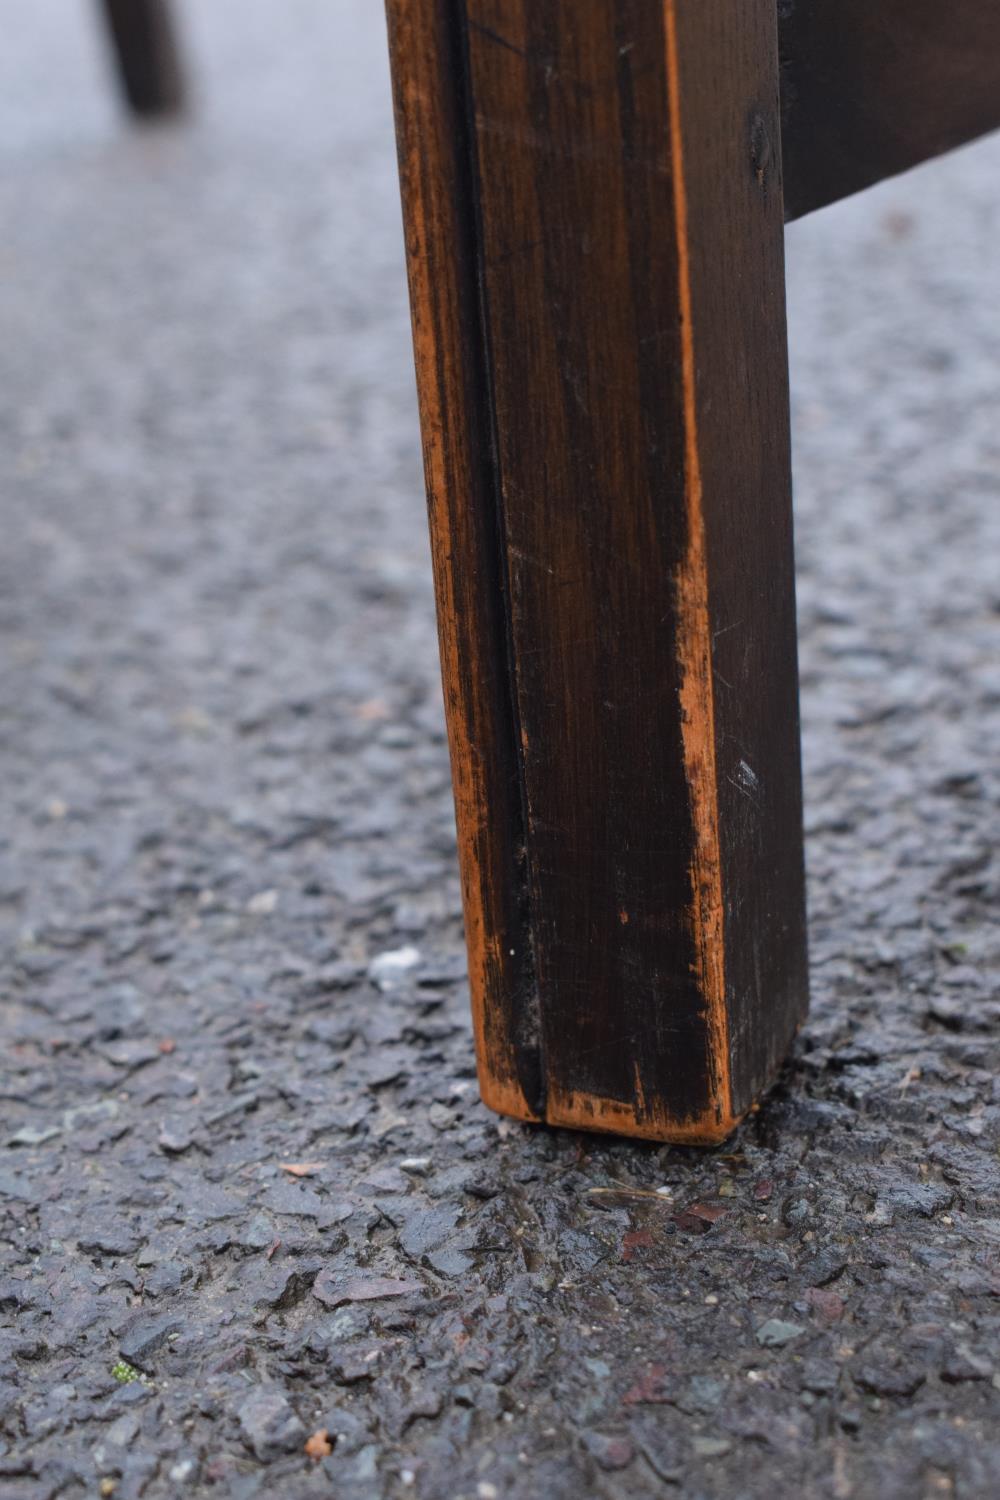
775, 1333
417, 1166
389, 969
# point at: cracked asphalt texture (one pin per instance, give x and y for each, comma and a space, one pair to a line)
226, 799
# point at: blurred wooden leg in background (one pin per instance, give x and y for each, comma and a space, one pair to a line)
145, 45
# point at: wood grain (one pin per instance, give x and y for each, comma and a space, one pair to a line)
870, 89
593, 198
456, 420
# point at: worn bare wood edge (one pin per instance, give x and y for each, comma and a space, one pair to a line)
694, 647
432, 139
590, 1112
741, 386
869, 90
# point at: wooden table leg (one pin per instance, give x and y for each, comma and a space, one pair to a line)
145, 45
593, 210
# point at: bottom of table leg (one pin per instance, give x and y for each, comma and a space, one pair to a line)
573, 1111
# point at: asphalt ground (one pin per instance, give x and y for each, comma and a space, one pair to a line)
226, 799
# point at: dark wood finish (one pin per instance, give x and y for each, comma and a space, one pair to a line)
456, 421
145, 45
593, 207
872, 87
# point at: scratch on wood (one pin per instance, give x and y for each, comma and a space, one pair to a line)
694, 643
494, 36
745, 781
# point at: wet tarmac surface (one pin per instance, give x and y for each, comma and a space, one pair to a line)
249, 1199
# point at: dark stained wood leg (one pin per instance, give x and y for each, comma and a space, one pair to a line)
145, 46
593, 210
869, 90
